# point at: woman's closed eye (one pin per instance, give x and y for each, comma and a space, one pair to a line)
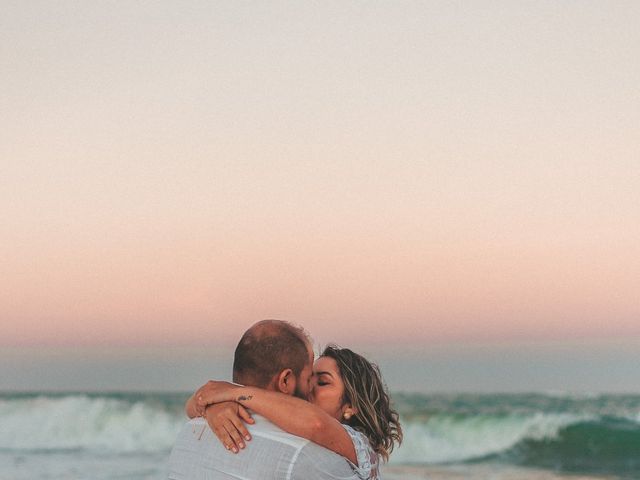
323, 378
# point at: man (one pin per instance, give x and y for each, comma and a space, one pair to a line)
277, 356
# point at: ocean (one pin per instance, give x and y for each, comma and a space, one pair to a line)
463, 436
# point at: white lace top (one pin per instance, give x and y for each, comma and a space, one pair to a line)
368, 467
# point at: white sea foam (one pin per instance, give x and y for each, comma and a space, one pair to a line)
447, 438
79, 422
110, 425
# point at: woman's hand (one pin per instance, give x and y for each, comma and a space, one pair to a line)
213, 392
227, 421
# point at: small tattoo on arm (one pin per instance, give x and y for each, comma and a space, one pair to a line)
243, 398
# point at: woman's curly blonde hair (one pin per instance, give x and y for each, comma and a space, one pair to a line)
367, 394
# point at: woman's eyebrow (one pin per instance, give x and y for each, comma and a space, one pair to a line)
324, 373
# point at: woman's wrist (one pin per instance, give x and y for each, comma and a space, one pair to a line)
243, 395
214, 392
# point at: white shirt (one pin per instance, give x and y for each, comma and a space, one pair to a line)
272, 454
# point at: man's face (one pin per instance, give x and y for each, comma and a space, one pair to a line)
303, 382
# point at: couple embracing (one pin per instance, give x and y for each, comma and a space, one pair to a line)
286, 418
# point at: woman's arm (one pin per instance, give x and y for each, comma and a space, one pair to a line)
225, 419
292, 414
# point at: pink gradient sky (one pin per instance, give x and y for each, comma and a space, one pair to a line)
421, 174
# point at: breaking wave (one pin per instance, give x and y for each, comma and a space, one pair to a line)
601, 435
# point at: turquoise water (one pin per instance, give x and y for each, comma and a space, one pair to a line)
129, 435
589, 435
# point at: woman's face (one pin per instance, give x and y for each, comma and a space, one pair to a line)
327, 387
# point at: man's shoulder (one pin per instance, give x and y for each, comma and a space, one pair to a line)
265, 429
262, 429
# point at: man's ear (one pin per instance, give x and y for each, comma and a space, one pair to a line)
286, 382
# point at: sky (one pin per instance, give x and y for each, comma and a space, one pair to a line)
450, 184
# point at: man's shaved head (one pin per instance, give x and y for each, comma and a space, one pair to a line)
267, 348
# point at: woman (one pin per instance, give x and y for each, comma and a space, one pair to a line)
348, 411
